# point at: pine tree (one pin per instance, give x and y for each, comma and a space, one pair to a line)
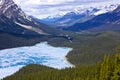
116, 74
106, 68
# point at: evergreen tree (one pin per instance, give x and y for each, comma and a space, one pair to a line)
116, 74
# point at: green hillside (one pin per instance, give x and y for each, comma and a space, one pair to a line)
89, 48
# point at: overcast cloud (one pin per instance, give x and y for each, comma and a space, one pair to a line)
46, 8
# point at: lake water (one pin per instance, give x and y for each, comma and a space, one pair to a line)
11, 60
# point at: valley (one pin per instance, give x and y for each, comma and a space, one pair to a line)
75, 46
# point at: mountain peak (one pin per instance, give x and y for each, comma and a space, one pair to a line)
14, 20
117, 10
9, 9
5, 4
104, 22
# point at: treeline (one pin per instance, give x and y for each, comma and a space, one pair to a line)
108, 69
89, 48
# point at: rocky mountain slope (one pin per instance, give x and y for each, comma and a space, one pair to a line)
14, 20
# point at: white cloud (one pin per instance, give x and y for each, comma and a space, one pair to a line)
43, 2
45, 8
54, 1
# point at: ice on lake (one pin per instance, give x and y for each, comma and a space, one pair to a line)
11, 60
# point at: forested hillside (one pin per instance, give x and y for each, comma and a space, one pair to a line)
108, 69
89, 48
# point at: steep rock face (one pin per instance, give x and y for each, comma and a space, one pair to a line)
14, 20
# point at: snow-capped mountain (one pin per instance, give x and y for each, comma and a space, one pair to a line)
105, 22
79, 14
96, 10
54, 8
66, 20
14, 20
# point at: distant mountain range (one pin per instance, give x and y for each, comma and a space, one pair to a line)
91, 20
14, 20
79, 15
105, 22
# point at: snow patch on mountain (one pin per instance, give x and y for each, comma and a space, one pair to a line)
31, 28
2, 1
106, 9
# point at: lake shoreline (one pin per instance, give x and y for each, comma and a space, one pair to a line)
55, 57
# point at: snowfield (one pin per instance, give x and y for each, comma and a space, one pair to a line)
11, 60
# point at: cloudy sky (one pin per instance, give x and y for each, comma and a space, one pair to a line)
46, 8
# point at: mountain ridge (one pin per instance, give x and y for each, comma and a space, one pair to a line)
13, 19
76, 15
105, 22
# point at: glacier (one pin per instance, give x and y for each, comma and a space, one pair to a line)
11, 60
